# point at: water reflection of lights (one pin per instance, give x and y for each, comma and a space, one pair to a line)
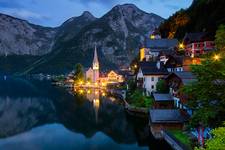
96, 103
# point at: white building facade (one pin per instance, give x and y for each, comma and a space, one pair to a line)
148, 76
93, 73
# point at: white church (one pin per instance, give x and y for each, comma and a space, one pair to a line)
93, 72
93, 75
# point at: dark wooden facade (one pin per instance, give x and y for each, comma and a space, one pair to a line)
163, 104
175, 84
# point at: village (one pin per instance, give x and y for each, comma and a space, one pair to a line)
112, 75
153, 85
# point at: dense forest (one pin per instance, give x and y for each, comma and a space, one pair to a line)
202, 15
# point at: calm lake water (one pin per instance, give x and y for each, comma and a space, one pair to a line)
34, 115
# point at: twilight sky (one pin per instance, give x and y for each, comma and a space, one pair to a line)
55, 12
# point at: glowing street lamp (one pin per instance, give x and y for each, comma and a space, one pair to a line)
216, 57
103, 84
181, 46
81, 91
89, 91
81, 82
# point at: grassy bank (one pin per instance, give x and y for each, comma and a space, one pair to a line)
137, 99
182, 137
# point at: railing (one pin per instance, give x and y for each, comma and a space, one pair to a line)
173, 142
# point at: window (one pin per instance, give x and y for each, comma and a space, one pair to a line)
152, 78
152, 86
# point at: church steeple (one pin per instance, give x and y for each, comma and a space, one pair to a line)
95, 61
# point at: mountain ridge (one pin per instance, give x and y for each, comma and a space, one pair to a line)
117, 35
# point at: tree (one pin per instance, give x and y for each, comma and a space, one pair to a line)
217, 142
79, 74
220, 38
206, 95
134, 64
162, 87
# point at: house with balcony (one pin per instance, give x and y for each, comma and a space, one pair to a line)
163, 101
197, 44
176, 81
165, 119
172, 63
149, 74
151, 48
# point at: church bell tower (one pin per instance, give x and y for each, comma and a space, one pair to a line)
95, 67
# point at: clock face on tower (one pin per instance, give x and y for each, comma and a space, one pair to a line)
95, 66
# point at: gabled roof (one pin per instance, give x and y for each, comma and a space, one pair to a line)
165, 116
186, 77
162, 97
196, 37
177, 59
160, 43
150, 68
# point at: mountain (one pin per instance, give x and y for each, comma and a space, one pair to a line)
73, 25
18, 37
19, 60
117, 35
202, 15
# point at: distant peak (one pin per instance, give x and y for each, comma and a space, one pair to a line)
126, 6
129, 5
87, 14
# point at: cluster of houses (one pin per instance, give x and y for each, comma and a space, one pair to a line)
159, 60
93, 76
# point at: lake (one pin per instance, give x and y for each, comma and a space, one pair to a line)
34, 115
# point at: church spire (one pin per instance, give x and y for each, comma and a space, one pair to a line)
95, 61
95, 56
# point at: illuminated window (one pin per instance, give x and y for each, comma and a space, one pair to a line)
152, 37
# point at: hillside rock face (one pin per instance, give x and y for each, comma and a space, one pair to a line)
73, 25
193, 20
22, 38
119, 33
117, 36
